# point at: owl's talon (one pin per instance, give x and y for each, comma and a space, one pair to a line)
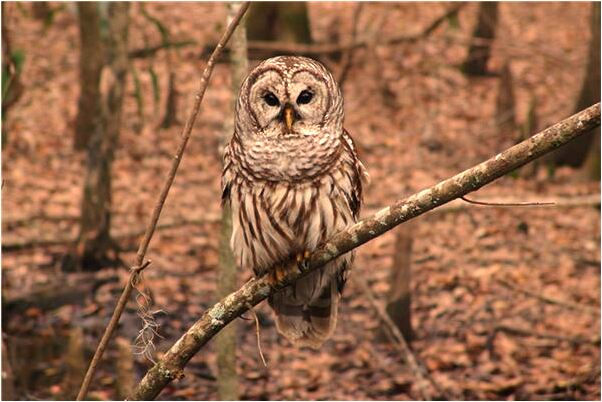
276, 276
301, 258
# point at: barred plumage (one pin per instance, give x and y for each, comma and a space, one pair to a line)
293, 179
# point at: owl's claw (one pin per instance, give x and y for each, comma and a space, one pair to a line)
300, 263
276, 276
301, 259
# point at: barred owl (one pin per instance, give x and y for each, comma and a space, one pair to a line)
293, 179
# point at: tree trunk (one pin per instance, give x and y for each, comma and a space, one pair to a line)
8, 378
76, 362
591, 166
278, 21
94, 242
576, 152
505, 105
478, 53
529, 127
90, 66
227, 379
124, 368
399, 299
170, 117
171, 105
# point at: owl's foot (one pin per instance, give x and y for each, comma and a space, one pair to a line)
276, 275
282, 271
301, 259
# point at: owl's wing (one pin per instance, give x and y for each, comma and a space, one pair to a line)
227, 176
359, 175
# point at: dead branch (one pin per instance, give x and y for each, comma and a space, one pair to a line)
150, 51
448, 14
159, 204
171, 365
508, 204
65, 289
591, 200
425, 382
258, 336
15, 223
575, 340
319, 49
562, 303
23, 244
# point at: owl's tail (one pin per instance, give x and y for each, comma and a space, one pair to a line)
305, 316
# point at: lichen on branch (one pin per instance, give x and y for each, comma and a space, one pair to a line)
171, 365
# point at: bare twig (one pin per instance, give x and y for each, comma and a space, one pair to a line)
170, 366
151, 50
159, 204
258, 335
334, 48
72, 288
550, 300
560, 202
424, 379
575, 340
453, 10
507, 204
50, 241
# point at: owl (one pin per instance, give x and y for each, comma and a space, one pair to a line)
293, 179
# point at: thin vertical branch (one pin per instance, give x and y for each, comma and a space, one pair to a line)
425, 382
152, 224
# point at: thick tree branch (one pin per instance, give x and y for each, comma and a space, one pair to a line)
171, 366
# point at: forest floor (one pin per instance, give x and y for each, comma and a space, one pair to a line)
479, 330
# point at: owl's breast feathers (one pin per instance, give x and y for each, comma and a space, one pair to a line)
274, 219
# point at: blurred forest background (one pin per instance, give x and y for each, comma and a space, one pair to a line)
497, 303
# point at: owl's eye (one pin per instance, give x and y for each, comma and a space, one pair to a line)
304, 97
271, 99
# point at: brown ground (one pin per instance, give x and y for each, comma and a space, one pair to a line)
416, 120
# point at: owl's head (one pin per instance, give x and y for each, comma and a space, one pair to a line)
289, 96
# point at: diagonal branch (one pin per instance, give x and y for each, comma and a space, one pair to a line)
424, 381
152, 224
551, 300
171, 365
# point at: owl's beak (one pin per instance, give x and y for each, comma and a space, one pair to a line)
289, 117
